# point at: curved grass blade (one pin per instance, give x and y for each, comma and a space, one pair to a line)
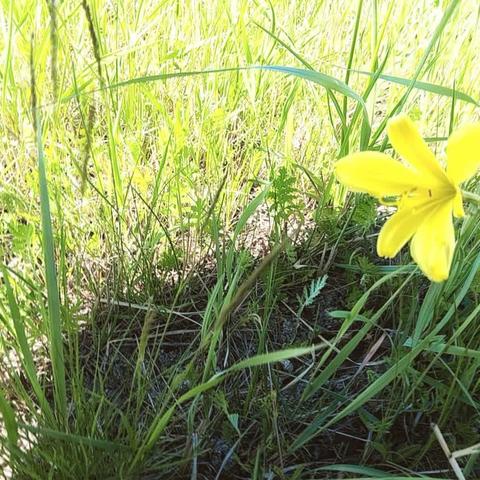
161, 422
326, 81
425, 86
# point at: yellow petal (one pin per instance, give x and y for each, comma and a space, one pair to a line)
458, 210
400, 228
375, 173
433, 244
463, 152
409, 144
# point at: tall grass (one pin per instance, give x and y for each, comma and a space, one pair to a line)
186, 292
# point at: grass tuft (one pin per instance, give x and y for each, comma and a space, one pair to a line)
185, 289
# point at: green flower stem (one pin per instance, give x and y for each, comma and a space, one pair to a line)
471, 197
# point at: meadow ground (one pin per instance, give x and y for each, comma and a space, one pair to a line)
186, 291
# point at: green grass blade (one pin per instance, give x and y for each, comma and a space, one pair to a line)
26, 354
248, 212
352, 51
54, 313
286, 46
9, 420
425, 86
433, 41
73, 438
326, 81
162, 421
371, 473
393, 372
272, 357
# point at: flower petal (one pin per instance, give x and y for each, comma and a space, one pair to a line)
409, 144
400, 228
458, 210
463, 152
433, 244
375, 173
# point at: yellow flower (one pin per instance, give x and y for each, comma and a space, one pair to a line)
426, 194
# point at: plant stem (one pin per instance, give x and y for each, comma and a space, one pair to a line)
471, 197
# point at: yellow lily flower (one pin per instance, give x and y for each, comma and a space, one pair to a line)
426, 195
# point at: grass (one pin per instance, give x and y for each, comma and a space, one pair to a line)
186, 291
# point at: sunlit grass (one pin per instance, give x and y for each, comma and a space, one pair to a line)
157, 148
